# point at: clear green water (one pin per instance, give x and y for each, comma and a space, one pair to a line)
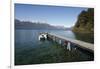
29, 50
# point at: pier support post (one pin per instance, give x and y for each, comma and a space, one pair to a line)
69, 46
59, 41
54, 38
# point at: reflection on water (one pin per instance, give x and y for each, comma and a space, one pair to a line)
29, 50
85, 37
68, 33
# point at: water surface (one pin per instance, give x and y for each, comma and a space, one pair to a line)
29, 50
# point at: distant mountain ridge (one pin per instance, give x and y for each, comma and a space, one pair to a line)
36, 25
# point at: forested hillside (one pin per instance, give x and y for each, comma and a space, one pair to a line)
85, 22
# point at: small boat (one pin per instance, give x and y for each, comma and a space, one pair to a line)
42, 36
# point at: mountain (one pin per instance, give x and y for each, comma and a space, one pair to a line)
36, 25
85, 22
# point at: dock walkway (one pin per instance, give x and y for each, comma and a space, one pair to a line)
81, 44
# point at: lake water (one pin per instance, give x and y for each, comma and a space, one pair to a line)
29, 50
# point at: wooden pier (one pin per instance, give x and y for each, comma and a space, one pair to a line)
84, 45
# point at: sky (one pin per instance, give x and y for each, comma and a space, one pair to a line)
53, 15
